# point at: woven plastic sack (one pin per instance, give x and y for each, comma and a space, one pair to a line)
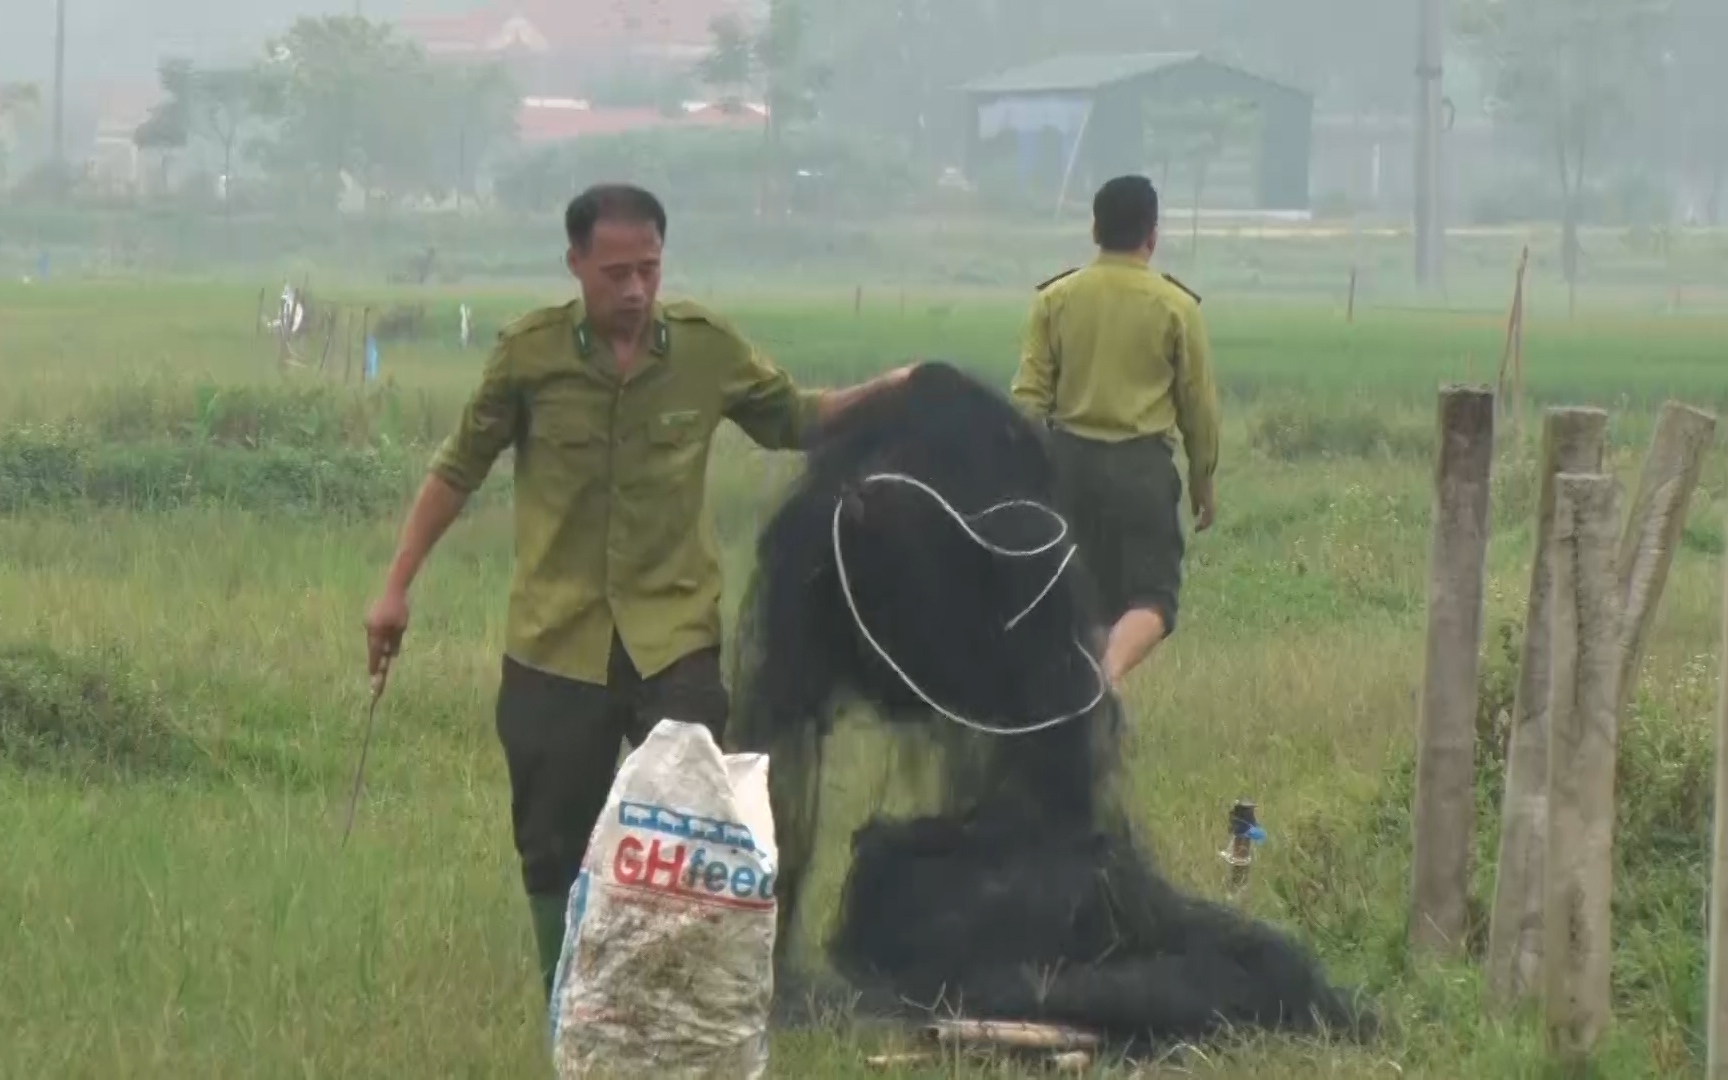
668, 961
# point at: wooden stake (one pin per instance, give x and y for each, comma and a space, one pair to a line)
901, 1061
365, 332
329, 338
1670, 476
258, 319
1350, 307
1012, 1034
1577, 950
1716, 1016
1444, 815
857, 299
1512, 357
1572, 442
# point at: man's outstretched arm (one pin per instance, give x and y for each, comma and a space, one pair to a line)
776, 414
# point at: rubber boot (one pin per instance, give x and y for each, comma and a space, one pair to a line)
547, 911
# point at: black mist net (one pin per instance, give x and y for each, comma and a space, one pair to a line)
1025, 894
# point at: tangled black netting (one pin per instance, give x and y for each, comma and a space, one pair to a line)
1026, 894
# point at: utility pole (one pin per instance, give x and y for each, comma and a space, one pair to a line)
59, 83
1430, 229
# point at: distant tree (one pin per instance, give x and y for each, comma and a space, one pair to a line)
478, 118
354, 104
18, 102
1568, 72
775, 60
221, 106
1197, 134
1697, 32
362, 104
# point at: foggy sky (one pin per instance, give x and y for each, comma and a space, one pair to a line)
121, 39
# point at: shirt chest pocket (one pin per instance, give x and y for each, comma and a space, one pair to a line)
672, 444
567, 440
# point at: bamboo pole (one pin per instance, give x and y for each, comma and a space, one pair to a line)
1583, 736
1443, 819
1572, 442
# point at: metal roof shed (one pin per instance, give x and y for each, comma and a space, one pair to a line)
1096, 107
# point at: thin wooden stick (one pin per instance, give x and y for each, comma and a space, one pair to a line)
900, 1061
1512, 356
329, 339
1016, 1034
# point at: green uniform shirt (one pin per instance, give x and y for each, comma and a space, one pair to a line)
1115, 351
611, 527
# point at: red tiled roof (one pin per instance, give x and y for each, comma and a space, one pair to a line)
572, 25
546, 120
120, 105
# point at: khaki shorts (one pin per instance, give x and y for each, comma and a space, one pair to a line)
1124, 501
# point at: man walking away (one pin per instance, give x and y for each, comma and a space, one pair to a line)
1116, 362
611, 403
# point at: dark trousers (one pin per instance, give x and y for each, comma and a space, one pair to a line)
561, 740
1124, 501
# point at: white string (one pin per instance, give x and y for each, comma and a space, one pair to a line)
1045, 591
965, 524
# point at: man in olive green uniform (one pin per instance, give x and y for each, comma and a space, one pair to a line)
1116, 362
610, 403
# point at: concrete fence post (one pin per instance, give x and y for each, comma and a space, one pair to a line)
1716, 1018
1583, 737
1443, 818
1653, 527
1572, 442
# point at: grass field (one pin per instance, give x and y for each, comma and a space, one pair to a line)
189, 538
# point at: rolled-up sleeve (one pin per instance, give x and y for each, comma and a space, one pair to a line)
488, 424
763, 400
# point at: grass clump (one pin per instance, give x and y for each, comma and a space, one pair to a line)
1348, 886
87, 713
62, 468
1295, 431
317, 415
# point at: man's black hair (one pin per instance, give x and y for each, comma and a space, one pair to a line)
1124, 213
611, 202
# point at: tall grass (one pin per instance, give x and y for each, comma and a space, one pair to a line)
196, 918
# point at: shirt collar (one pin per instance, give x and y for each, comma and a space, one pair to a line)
588, 343
1120, 258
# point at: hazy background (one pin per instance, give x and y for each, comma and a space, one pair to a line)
804, 138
